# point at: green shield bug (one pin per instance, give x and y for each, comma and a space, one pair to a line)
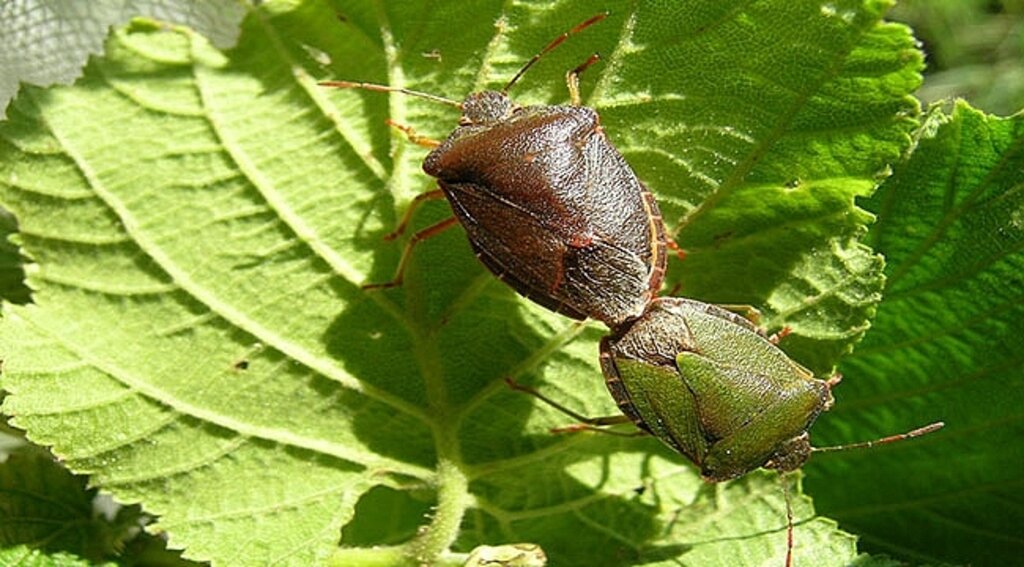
710, 385
548, 204
706, 382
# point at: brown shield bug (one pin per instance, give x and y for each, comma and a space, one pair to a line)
548, 204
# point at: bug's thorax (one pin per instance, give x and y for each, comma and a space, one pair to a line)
494, 128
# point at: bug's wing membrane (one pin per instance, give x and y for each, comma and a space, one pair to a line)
667, 410
607, 281
623, 266
596, 277
498, 231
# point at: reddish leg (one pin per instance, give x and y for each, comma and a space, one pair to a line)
834, 380
784, 332
410, 133
420, 236
673, 246
416, 202
595, 424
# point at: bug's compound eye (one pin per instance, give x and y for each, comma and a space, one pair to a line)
486, 107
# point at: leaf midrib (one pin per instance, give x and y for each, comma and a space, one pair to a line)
745, 166
180, 276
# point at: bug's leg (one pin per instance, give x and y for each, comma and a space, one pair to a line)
753, 314
748, 312
420, 236
535, 393
777, 336
585, 423
673, 246
834, 380
606, 421
416, 202
674, 290
572, 79
410, 133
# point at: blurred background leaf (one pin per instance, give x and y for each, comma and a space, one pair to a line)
50, 517
975, 50
12, 269
45, 42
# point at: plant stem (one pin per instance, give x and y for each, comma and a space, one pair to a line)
452, 500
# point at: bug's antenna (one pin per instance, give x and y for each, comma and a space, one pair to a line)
387, 89
890, 439
789, 520
555, 43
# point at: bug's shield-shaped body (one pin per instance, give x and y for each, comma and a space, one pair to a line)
706, 382
552, 208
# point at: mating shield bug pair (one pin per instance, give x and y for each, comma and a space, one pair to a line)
553, 209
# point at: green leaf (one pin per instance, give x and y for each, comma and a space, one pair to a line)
12, 272
50, 517
948, 343
23, 556
200, 222
48, 41
45, 507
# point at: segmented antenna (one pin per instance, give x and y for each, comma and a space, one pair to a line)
789, 520
388, 89
890, 439
555, 43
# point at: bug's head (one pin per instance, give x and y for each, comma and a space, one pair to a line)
486, 107
791, 454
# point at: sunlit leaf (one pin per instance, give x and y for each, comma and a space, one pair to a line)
201, 220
